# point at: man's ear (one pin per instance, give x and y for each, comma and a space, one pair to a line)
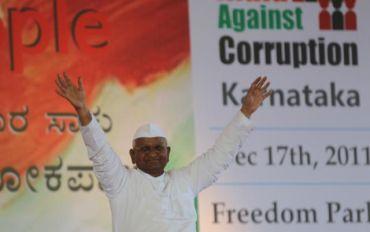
132, 155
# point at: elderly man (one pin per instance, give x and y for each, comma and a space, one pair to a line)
147, 198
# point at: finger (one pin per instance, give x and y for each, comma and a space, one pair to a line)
80, 84
268, 94
60, 93
261, 82
66, 78
61, 81
264, 88
59, 85
256, 81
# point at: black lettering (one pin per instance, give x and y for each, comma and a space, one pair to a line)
336, 97
228, 94
225, 57
217, 211
333, 208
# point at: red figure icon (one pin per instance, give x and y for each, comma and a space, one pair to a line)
324, 16
350, 17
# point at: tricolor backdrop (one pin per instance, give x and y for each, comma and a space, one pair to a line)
186, 65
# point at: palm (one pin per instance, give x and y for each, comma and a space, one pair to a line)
74, 94
257, 93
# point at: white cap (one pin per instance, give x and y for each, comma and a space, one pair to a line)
149, 130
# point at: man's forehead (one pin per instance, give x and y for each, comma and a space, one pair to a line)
149, 141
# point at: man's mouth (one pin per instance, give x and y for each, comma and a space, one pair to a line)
153, 162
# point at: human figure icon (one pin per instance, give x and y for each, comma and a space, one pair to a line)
350, 17
324, 16
337, 17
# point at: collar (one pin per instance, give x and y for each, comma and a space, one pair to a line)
158, 183
152, 178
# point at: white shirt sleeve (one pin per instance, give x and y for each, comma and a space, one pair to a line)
107, 165
204, 170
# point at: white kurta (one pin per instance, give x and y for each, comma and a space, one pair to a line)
142, 203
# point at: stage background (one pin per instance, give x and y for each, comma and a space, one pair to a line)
185, 65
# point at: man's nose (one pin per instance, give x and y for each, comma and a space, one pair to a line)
152, 153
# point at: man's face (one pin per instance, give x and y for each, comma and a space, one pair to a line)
150, 155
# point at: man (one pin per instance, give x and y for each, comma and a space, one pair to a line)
147, 198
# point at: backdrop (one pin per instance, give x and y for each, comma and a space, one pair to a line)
186, 65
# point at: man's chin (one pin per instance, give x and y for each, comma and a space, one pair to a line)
155, 172
154, 164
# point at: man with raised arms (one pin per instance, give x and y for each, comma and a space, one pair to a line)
147, 198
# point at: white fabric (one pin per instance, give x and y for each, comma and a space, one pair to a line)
142, 203
149, 130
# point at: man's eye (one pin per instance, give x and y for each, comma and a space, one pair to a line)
144, 149
159, 148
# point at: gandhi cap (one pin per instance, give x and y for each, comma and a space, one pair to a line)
149, 130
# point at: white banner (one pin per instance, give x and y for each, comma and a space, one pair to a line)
307, 164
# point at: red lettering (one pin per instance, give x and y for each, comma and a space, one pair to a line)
60, 26
17, 47
88, 31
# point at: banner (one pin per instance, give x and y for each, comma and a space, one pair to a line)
134, 59
186, 65
306, 165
